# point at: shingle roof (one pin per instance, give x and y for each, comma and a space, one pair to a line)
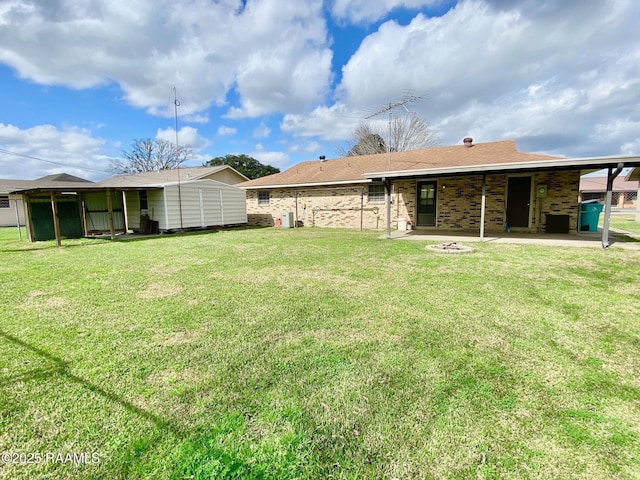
161, 177
599, 184
57, 180
352, 169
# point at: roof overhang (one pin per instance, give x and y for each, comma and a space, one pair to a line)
306, 185
72, 190
590, 163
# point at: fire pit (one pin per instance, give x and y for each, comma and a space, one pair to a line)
449, 247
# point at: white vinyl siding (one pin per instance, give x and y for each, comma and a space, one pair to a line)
205, 203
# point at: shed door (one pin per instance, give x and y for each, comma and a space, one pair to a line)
68, 216
518, 201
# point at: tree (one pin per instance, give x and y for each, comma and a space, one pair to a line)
149, 155
407, 132
246, 165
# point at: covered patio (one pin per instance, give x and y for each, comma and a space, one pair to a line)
544, 205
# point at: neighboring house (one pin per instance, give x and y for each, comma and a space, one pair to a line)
146, 202
472, 187
624, 193
634, 176
12, 206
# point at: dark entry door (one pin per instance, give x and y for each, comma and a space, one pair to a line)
518, 201
427, 193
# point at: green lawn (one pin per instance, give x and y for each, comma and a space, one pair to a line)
311, 353
626, 223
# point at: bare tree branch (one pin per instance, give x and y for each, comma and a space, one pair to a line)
408, 132
149, 155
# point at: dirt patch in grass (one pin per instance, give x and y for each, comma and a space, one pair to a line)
178, 338
160, 290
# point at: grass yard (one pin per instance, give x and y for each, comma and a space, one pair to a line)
627, 223
312, 354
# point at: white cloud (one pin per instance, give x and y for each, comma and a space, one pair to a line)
328, 123
275, 159
273, 52
364, 11
262, 131
546, 74
186, 136
70, 150
225, 131
313, 147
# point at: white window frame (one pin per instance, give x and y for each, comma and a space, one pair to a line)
263, 194
376, 197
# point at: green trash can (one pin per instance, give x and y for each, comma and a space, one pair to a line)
589, 216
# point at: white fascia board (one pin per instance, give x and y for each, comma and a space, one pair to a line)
628, 160
306, 185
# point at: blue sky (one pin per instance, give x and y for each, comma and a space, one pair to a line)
287, 81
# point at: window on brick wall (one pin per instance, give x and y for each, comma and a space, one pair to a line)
263, 197
376, 193
4, 202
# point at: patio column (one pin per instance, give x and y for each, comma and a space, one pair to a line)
387, 199
611, 176
482, 205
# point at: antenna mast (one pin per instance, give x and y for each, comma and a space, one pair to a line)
176, 104
407, 98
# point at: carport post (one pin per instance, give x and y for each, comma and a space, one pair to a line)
110, 210
27, 218
15, 204
56, 220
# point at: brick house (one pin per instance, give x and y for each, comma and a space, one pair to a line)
445, 188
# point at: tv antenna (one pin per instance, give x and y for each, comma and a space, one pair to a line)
407, 98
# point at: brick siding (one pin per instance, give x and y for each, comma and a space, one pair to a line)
458, 203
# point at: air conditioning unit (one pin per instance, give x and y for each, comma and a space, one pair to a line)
287, 220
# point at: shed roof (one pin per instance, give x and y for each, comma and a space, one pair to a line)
164, 176
355, 169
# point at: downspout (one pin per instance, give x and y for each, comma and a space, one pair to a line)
482, 205
611, 176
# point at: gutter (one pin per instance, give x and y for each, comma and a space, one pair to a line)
572, 163
303, 185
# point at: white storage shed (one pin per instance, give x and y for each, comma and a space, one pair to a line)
182, 205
